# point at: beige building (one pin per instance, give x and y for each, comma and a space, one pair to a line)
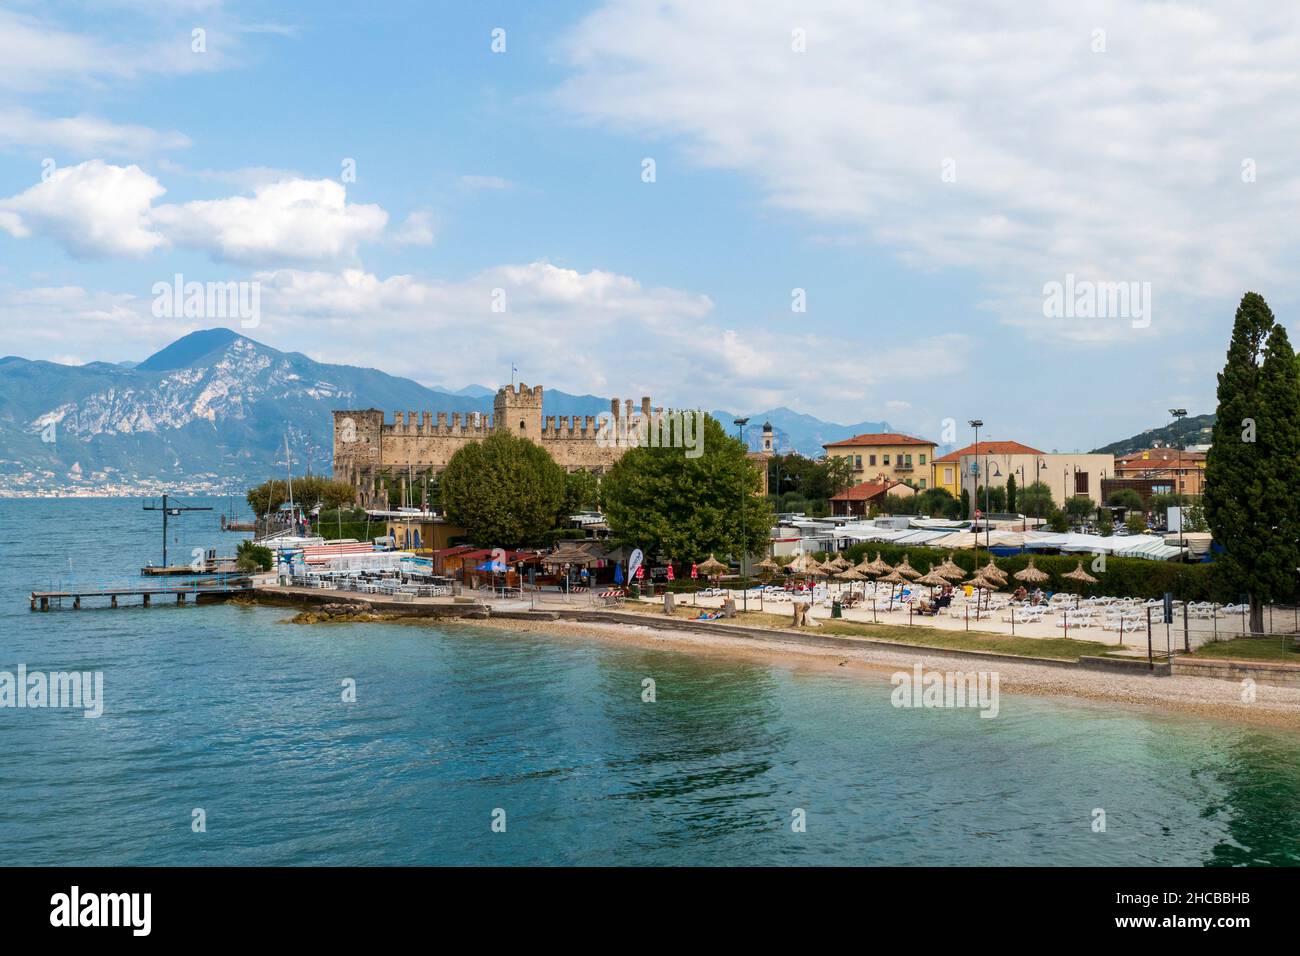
1068, 475
886, 457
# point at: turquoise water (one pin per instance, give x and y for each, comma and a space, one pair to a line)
227, 709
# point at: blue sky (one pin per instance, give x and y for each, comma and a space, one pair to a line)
920, 174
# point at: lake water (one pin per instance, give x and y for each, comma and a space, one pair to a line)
228, 709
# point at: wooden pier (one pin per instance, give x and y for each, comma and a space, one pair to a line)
44, 600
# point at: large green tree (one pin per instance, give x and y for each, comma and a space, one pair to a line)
683, 508
506, 491
1252, 460
1036, 499
308, 492
581, 492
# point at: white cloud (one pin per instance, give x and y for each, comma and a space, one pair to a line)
417, 230
93, 210
82, 135
486, 182
96, 209
1116, 165
584, 332
578, 331
297, 220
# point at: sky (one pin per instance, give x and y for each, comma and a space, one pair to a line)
859, 211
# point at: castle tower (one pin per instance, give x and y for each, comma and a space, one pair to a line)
519, 411
768, 445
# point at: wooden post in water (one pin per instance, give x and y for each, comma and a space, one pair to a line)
146, 599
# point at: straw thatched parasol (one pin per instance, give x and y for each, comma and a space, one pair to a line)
1080, 575
1031, 574
838, 563
800, 564
934, 579
993, 573
711, 567
768, 565
906, 570
881, 566
950, 569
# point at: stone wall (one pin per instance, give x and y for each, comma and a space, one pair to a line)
366, 447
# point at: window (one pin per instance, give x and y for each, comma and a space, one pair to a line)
1080, 482
947, 475
885, 459
857, 462
871, 460
923, 480
908, 459
923, 459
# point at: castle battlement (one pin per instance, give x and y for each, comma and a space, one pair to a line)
368, 450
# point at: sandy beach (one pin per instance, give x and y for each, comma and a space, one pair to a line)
1192, 696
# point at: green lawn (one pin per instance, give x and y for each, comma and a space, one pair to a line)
1054, 647
1281, 649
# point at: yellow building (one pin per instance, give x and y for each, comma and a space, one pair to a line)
886, 457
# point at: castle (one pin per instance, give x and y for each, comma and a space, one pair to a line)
367, 449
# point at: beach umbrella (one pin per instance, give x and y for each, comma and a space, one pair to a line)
1031, 574
881, 566
838, 563
767, 564
992, 572
851, 575
934, 579
906, 570
712, 567
1080, 575
950, 570
799, 565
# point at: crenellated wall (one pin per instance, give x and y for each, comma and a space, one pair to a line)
366, 446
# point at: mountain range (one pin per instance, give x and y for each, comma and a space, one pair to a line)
214, 410
1192, 430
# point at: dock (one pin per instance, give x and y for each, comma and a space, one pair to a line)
44, 600
222, 566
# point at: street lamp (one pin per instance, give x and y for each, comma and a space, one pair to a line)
1178, 415
976, 424
740, 424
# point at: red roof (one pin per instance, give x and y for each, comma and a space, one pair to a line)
1160, 455
865, 491
878, 438
991, 448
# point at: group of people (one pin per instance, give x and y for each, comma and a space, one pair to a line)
1035, 597
938, 604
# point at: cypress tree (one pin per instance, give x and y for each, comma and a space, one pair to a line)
1253, 448
1279, 438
